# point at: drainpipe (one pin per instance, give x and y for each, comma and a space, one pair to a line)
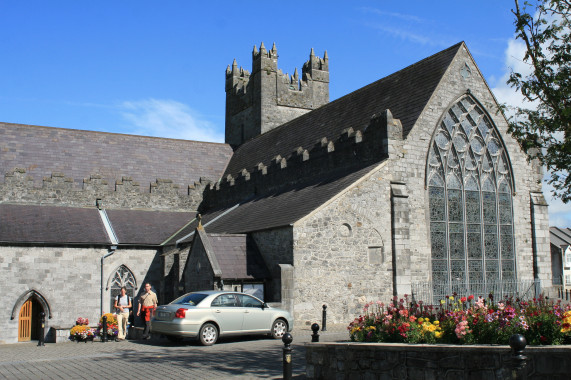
112, 238
111, 251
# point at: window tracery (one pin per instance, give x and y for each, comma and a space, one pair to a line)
122, 277
470, 190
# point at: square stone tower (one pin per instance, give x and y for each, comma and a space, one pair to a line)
267, 98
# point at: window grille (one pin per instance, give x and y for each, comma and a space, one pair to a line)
122, 277
470, 188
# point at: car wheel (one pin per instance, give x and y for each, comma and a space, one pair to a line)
279, 328
208, 334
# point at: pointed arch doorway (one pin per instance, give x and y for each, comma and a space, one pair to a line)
29, 320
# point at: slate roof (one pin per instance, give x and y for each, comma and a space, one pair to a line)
560, 237
141, 227
51, 225
238, 257
405, 93
276, 209
78, 154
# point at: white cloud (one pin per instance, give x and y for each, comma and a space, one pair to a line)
168, 118
407, 35
514, 54
401, 16
559, 213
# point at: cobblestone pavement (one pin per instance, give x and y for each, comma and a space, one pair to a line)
244, 358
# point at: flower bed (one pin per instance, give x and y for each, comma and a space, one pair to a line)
112, 327
464, 321
81, 332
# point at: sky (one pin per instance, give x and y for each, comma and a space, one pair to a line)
157, 68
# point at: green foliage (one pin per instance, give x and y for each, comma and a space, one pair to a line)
545, 132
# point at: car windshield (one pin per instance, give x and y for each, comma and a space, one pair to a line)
191, 299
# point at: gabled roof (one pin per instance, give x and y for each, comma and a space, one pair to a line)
560, 237
238, 257
405, 93
280, 208
78, 154
41, 224
51, 225
140, 227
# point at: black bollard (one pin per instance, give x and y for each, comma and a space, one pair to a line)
315, 335
324, 319
104, 337
287, 339
518, 343
42, 337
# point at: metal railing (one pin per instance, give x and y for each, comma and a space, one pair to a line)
431, 293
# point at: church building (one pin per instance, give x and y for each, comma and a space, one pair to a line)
410, 185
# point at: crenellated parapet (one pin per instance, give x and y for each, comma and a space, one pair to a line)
353, 148
57, 189
259, 101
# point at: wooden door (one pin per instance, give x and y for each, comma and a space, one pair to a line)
25, 322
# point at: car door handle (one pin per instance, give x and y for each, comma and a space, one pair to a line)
246, 311
217, 311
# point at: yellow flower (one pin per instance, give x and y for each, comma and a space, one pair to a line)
438, 334
442, 302
372, 328
451, 298
420, 320
436, 322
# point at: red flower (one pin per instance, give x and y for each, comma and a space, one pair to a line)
463, 299
470, 297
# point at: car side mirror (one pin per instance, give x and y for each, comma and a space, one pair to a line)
264, 306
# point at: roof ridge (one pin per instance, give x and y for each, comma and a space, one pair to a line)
107, 133
418, 80
352, 93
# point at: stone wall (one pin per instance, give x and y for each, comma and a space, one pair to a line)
430, 362
275, 246
342, 253
350, 150
57, 189
336, 242
68, 279
198, 273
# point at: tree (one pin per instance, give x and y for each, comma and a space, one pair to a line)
544, 132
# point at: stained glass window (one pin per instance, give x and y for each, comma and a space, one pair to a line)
470, 200
122, 277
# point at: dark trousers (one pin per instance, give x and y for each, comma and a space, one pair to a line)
147, 330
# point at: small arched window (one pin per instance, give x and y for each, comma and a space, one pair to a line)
470, 188
122, 277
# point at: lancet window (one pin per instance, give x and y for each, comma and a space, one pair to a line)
470, 189
122, 277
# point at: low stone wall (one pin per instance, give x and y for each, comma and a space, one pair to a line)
57, 334
423, 362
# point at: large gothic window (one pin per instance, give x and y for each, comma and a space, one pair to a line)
470, 199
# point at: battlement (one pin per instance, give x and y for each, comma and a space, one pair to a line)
355, 147
57, 189
266, 98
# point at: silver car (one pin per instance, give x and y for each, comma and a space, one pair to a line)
210, 314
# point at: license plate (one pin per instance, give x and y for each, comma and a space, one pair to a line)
163, 314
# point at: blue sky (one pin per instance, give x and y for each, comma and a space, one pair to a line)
157, 68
